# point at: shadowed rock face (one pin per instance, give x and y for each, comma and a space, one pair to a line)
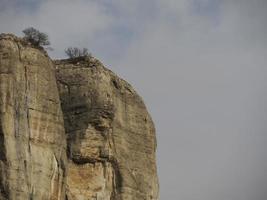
101, 148
111, 137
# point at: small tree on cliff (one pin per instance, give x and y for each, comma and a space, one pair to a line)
74, 52
35, 37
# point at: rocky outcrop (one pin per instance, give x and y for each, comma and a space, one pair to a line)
101, 148
111, 137
32, 136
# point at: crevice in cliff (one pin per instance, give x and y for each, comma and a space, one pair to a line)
4, 194
117, 180
27, 155
26, 104
5, 73
2, 143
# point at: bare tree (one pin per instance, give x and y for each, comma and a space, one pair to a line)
35, 37
74, 52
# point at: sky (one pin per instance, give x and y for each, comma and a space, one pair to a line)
200, 66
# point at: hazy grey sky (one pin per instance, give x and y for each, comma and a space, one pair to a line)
200, 66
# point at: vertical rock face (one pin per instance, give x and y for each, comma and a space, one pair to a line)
110, 135
32, 137
101, 147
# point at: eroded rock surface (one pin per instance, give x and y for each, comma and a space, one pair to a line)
101, 147
32, 136
111, 137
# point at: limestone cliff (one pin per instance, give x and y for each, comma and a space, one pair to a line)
71, 130
32, 136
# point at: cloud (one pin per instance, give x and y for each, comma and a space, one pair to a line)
69, 23
204, 79
200, 66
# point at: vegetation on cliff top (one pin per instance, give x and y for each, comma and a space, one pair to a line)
35, 37
40, 39
75, 52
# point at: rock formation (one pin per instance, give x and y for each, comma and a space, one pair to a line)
71, 130
32, 136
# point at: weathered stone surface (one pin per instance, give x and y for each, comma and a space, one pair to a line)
110, 135
32, 136
101, 148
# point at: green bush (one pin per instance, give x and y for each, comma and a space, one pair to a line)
74, 52
35, 37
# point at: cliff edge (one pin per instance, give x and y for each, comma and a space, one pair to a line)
71, 130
